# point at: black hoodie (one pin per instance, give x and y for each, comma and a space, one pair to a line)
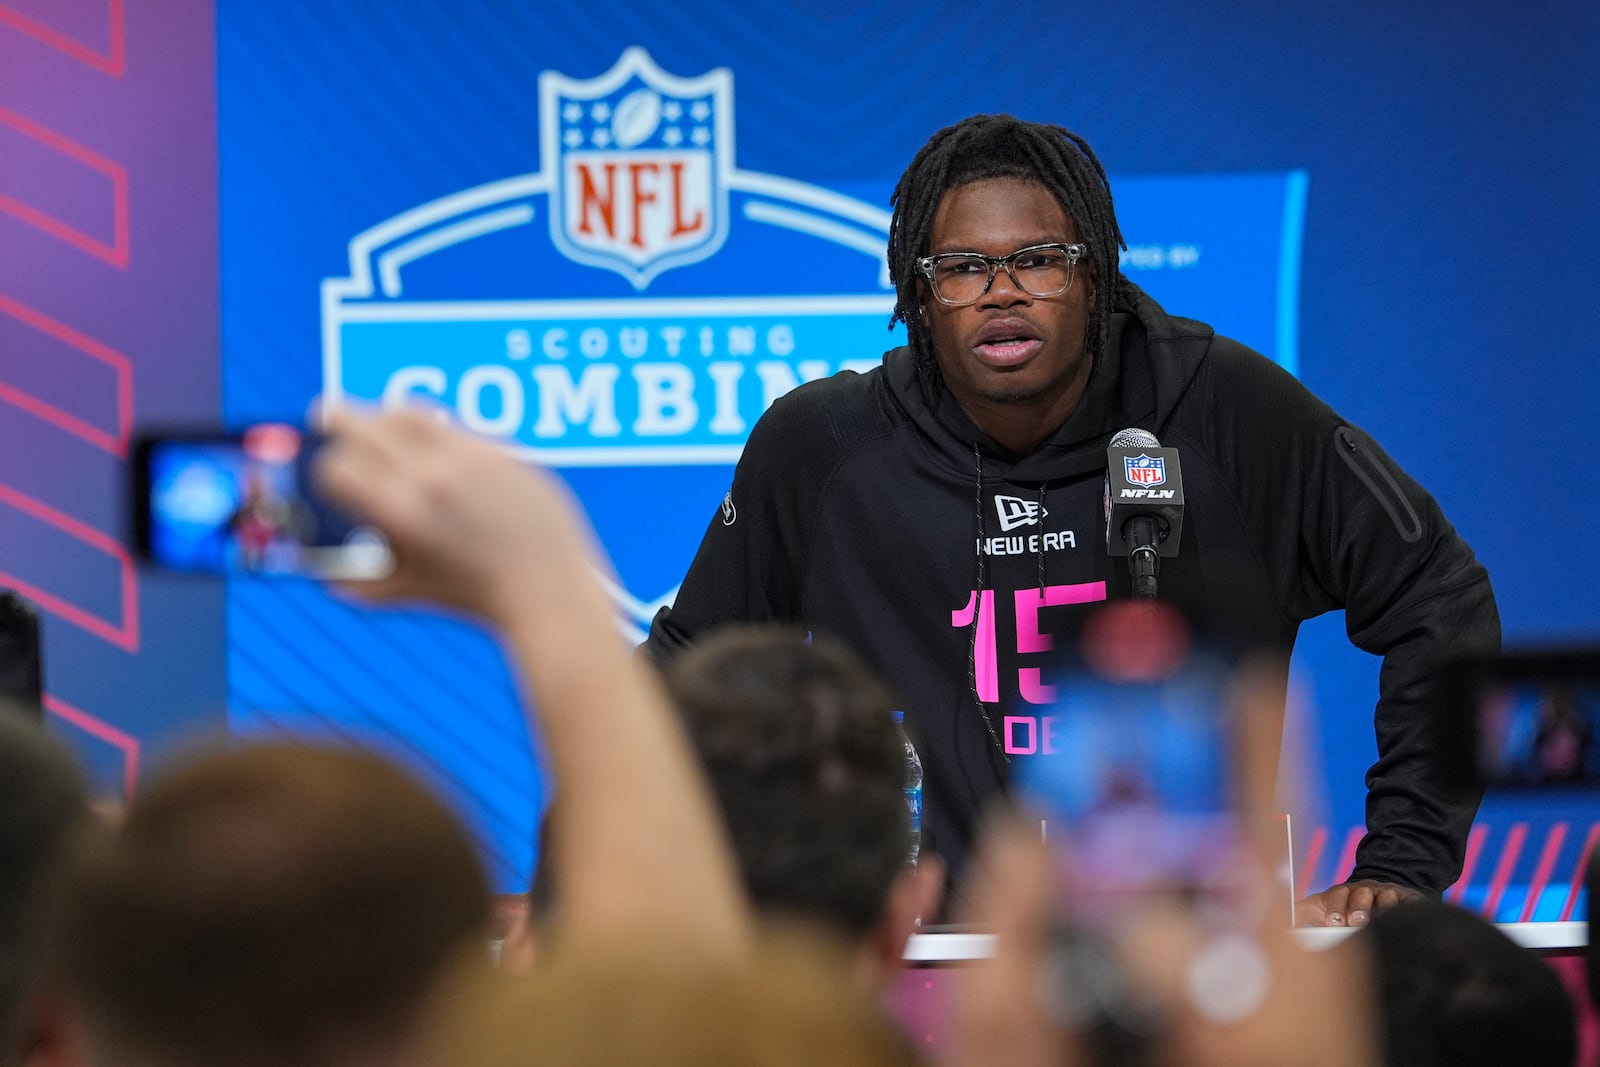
870, 507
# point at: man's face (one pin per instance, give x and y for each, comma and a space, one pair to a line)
1009, 347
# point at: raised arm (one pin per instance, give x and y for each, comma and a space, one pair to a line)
474, 530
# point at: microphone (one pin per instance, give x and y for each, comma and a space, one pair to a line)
1143, 504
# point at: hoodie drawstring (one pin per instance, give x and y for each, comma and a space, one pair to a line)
977, 611
1040, 534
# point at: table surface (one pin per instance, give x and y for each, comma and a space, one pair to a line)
957, 947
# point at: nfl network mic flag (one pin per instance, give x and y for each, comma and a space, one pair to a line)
1143, 481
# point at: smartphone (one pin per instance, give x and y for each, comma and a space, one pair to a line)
1523, 720
1135, 786
21, 662
237, 504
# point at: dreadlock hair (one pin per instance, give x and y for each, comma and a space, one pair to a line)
986, 147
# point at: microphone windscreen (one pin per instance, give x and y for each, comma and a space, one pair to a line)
1133, 437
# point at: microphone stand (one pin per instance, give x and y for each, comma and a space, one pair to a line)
1142, 534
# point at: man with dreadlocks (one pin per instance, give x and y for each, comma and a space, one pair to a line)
943, 512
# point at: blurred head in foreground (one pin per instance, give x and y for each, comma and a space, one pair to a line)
786, 1008
1453, 990
42, 802
808, 767
277, 904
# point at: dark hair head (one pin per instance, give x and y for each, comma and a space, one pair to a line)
798, 742
1454, 990
983, 148
42, 802
267, 905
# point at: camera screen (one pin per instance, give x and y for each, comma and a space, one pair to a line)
1539, 731
1134, 782
243, 505
1136, 785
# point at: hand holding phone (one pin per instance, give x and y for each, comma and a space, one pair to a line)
1141, 819
1160, 979
473, 528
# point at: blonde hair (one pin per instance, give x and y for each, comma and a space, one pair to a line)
263, 905
790, 1005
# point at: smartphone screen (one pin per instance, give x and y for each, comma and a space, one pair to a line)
1135, 790
1136, 786
1527, 719
245, 504
1540, 729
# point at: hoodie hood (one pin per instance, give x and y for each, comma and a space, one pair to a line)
1148, 363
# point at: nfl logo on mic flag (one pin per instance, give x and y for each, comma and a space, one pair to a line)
1145, 470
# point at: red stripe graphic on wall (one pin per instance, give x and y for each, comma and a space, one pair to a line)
49, 151
104, 731
1549, 870
1474, 849
1347, 854
124, 631
113, 439
1577, 875
1308, 869
1541, 874
112, 61
1502, 873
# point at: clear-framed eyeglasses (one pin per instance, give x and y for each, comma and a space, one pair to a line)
961, 278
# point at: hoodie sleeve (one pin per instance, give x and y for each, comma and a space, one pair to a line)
1414, 593
1344, 527
750, 563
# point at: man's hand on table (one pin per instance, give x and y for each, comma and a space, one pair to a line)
1351, 903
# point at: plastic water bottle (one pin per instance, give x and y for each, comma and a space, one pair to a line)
913, 790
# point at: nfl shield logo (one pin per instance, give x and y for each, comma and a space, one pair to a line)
640, 162
1145, 470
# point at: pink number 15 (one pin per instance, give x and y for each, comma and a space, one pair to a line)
1029, 639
